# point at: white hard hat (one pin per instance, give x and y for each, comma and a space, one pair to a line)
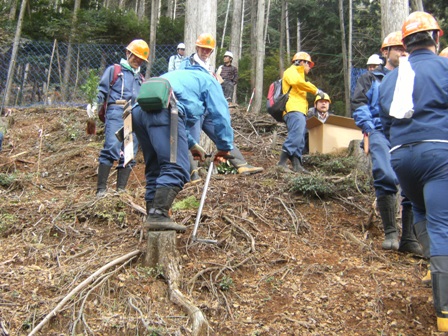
228, 53
374, 59
181, 46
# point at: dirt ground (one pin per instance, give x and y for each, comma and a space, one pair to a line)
285, 263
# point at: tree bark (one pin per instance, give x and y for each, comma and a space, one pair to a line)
155, 4
13, 10
207, 12
68, 59
393, 14
235, 36
225, 24
15, 49
259, 57
282, 40
417, 5
344, 59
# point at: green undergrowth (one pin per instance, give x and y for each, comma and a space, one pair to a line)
332, 174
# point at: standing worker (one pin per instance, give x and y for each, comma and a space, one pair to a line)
126, 87
176, 60
373, 62
365, 109
196, 91
296, 109
205, 45
229, 75
414, 109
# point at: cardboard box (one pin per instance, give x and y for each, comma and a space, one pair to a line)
333, 135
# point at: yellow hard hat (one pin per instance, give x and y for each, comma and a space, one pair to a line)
206, 41
139, 48
303, 56
325, 97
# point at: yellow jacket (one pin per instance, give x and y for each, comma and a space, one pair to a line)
294, 77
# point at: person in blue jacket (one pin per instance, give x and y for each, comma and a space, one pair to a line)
126, 87
196, 92
365, 110
205, 45
414, 115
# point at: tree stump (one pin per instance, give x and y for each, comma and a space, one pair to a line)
364, 163
162, 251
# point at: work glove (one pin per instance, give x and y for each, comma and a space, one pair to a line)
221, 156
198, 152
320, 93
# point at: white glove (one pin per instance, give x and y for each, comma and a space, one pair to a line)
198, 152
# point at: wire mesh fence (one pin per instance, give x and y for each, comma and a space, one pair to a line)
49, 73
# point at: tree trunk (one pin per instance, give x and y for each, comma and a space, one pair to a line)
417, 5
13, 10
299, 42
288, 44
282, 40
253, 21
152, 36
344, 57
141, 11
15, 49
235, 36
207, 12
68, 59
259, 57
393, 14
225, 24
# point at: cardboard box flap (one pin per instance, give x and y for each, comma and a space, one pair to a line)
332, 120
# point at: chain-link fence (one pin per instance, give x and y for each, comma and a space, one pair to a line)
45, 74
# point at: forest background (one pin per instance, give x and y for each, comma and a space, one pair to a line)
323, 28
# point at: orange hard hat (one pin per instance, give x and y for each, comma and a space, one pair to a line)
206, 41
303, 56
418, 22
139, 48
393, 39
444, 52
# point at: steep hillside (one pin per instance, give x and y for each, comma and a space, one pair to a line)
286, 263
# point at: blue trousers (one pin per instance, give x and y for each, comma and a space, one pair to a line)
295, 140
112, 148
153, 133
384, 179
422, 170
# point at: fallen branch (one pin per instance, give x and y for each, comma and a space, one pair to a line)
81, 286
248, 235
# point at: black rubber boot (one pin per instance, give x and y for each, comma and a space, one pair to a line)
386, 207
158, 218
408, 241
297, 166
283, 160
422, 236
123, 177
103, 175
439, 278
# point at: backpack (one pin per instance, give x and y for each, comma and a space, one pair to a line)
103, 108
276, 101
154, 94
